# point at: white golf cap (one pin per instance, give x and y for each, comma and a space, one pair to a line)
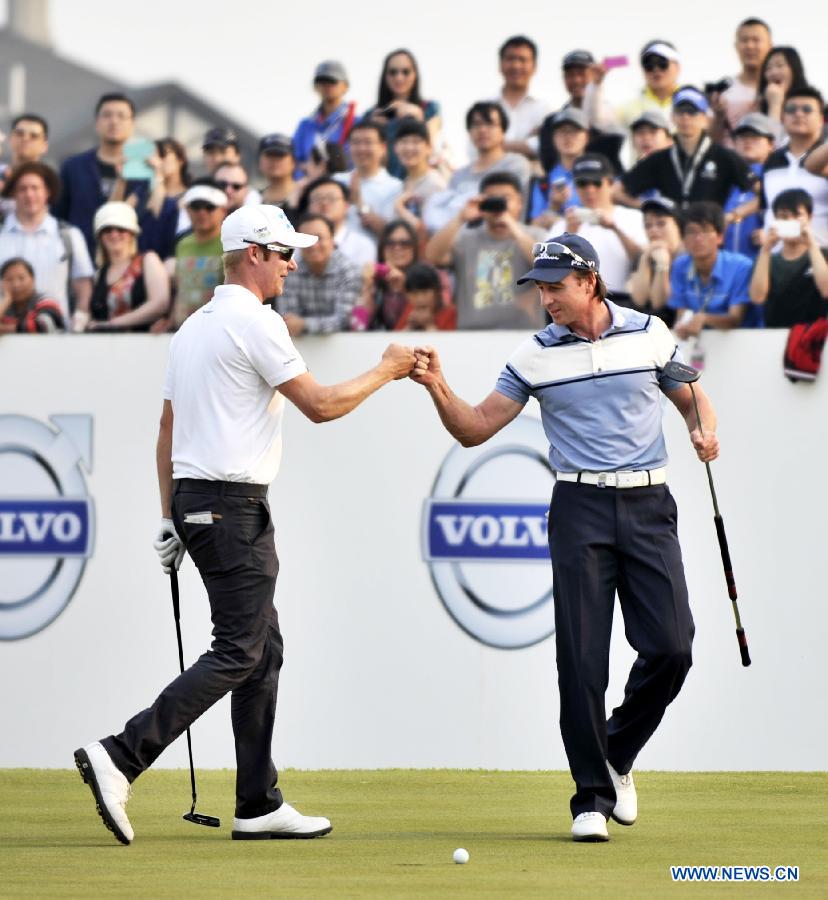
205, 192
116, 215
264, 225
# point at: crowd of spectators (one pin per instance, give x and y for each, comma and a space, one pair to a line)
707, 204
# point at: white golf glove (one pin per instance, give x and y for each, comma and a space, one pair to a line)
169, 546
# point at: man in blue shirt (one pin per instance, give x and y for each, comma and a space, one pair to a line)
333, 118
709, 287
596, 372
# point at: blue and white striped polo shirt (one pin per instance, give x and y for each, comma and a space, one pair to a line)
600, 400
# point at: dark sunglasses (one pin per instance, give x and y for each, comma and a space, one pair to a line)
236, 185
393, 72
201, 206
792, 108
655, 62
286, 253
404, 242
588, 182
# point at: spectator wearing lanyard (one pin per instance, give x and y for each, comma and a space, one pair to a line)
708, 285
753, 137
694, 168
333, 118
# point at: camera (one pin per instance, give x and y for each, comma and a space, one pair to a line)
390, 112
493, 205
717, 87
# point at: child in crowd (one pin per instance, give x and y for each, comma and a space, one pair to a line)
425, 309
22, 308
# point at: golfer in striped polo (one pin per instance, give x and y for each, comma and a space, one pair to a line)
596, 373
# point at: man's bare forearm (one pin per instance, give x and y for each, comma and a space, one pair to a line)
460, 419
163, 461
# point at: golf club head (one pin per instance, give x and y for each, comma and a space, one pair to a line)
201, 819
680, 372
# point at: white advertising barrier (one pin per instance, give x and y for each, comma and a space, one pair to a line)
378, 672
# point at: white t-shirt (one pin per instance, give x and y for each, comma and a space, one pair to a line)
224, 364
615, 266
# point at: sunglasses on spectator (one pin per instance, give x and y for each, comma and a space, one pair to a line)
552, 249
235, 185
588, 182
286, 253
655, 62
201, 206
403, 72
793, 108
402, 242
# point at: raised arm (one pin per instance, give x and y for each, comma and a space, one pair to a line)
470, 425
322, 403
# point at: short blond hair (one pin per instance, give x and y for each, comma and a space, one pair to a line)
232, 259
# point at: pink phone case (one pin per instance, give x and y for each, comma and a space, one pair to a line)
616, 62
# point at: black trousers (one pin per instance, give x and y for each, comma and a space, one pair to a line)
604, 540
236, 558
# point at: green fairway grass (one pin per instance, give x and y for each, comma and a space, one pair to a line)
395, 832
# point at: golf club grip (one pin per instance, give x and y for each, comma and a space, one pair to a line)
743, 647
728, 566
174, 592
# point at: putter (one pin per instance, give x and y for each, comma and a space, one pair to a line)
688, 375
192, 815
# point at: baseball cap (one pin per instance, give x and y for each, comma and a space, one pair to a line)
591, 166
220, 137
264, 225
556, 258
330, 70
758, 124
207, 192
660, 48
571, 115
116, 215
653, 118
661, 204
690, 96
577, 58
277, 144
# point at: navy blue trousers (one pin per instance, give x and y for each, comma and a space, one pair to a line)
604, 540
236, 559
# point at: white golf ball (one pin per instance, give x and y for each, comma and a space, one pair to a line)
461, 856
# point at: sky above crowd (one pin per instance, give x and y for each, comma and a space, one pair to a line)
256, 60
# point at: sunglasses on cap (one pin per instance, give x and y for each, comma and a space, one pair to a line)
651, 63
201, 206
553, 250
286, 253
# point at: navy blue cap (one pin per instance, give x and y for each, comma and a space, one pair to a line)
690, 96
551, 264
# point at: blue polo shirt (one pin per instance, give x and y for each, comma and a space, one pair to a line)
728, 287
542, 188
601, 401
334, 128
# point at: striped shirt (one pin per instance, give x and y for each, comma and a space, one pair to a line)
600, 400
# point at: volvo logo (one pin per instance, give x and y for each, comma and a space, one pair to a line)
484, 537
46, 519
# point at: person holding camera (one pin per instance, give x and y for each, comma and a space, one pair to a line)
486, 246
616, 232
792, 285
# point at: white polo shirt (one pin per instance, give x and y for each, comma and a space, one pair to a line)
225, 363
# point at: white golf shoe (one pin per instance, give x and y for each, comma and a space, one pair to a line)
109, 787
590, 826
626, 800
285, 822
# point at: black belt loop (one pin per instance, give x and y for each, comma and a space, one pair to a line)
579, 477
649, 478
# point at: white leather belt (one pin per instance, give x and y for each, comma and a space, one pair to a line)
625, 479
